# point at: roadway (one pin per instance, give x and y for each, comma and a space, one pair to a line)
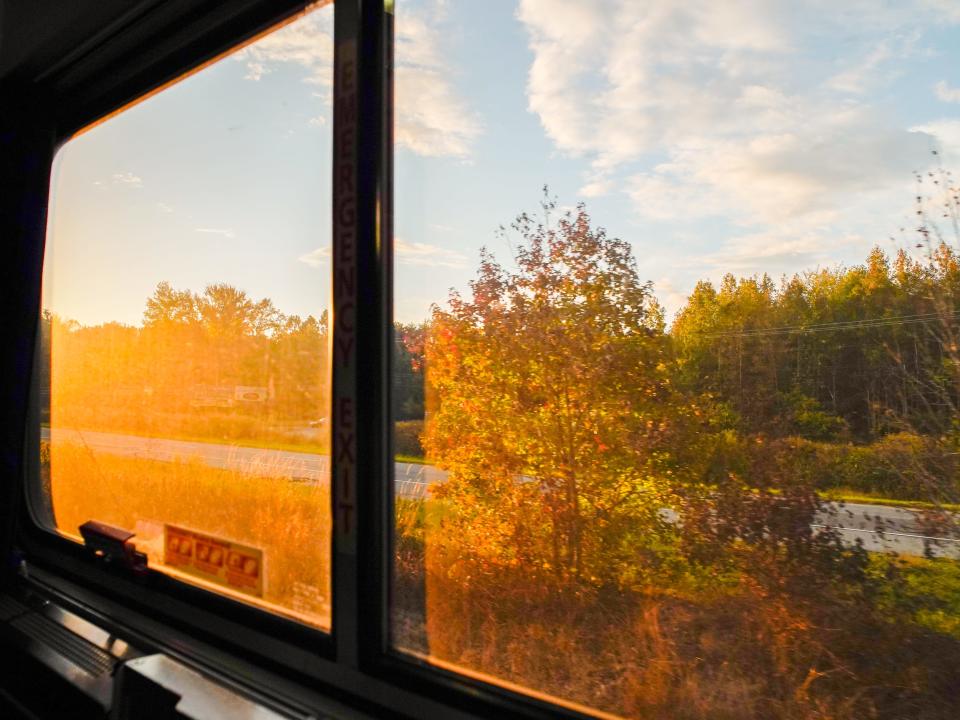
411, 479
878, 527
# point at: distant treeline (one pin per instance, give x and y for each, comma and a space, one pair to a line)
848, 353
836, 354
190, 354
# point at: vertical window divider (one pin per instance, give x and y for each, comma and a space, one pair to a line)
361, 460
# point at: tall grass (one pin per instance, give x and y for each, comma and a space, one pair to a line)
737, 647
289, 521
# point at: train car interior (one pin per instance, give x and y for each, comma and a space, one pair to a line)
449, 359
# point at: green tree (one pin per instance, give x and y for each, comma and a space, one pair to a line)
299, 367
408, 367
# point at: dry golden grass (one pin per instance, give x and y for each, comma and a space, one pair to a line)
650, 657
743, 652
289, 521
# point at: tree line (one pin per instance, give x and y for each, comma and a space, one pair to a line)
190, 353
844, 353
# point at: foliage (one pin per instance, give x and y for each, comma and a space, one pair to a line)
806, 417
190, 347
631, 516
902, 465
408, 373
858, 349
406, 438
556, 415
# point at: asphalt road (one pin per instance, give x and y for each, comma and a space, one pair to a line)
878, 527
412, 479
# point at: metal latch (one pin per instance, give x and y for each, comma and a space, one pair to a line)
113, 545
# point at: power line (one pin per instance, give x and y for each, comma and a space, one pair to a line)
917, 319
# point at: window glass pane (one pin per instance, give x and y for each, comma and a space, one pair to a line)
185, 325
682, 442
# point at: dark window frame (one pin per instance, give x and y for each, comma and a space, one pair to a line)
355, 662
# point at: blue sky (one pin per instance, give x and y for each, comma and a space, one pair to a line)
744, 137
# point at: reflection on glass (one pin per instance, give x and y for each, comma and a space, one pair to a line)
680, 438
185, 292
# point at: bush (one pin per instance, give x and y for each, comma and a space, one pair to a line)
738, 651
808, 419
902, 466
406, 438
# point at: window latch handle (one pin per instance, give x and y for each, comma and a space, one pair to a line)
113, 545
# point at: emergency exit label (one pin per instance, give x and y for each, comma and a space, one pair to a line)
239, 567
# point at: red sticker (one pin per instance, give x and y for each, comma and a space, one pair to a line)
220, 561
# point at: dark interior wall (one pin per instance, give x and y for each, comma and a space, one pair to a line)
38, 36
26, 148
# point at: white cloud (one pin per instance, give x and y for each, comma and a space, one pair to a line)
614, 79
669, 296
317, 121
811, 171
856, 79
316, 258
597, 185
225, 232
424, 254
659, 196
164, 207
127, 178
746, 117
307, 42
944, 137
948, 10
255, 71
431, 120
947, 93
772, 252
432, 117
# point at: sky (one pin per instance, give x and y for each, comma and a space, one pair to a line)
746, 136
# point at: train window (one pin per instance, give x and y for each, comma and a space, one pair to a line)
184, 381
677, 433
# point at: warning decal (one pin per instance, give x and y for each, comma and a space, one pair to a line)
236, 566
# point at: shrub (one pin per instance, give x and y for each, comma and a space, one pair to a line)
740, 652
904, 466
406, 438
806, 417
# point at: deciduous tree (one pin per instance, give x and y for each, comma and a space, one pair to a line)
556, 415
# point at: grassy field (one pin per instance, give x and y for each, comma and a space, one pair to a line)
738, 650
734, 649
288, 521
265, 443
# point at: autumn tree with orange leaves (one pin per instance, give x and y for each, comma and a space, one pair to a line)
555, 413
